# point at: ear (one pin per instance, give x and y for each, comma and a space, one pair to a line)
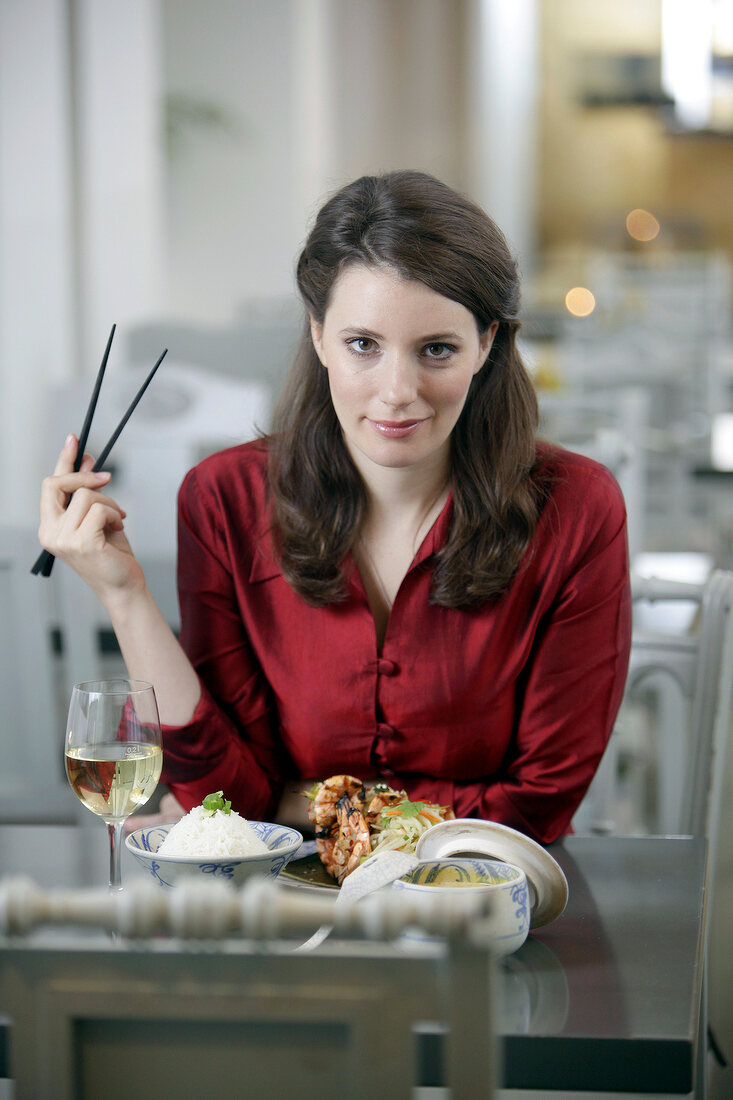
485, 342
317, 337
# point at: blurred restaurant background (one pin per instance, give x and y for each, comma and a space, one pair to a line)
161, 160
160, 163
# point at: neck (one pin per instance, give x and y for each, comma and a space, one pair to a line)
407, 491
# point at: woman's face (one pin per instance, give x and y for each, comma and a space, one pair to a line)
400, 359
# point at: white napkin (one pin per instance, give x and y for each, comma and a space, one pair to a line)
377, 871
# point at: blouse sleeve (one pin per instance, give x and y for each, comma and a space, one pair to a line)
229, 744
569, 694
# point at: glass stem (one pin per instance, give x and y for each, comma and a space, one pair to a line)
114, 831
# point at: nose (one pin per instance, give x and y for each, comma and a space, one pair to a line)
398, 383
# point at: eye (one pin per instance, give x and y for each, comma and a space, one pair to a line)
438, 351
361, 345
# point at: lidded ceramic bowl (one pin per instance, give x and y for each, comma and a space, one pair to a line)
507, 923
472, 838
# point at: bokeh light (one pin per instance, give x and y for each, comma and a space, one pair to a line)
580, 302
641, 225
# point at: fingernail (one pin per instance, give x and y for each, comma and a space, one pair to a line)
102, 475
69, 440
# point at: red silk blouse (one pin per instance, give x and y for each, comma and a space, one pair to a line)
501, 711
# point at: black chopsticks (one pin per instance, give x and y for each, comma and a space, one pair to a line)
44, 562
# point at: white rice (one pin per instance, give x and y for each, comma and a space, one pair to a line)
203, 835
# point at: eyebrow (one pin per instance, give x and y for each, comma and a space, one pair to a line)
430, 338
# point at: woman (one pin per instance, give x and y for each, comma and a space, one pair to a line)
398, 581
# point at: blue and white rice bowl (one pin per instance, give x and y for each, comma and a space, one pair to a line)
507, 923
282, 843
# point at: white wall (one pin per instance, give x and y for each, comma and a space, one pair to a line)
232, 228
37, 300
502, 117
117, 80
277, 104
80, 210
160, 161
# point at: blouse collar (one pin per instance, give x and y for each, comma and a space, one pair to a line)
266, 565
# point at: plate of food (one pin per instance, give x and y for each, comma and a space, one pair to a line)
353, 819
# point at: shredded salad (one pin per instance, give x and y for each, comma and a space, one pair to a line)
398, 828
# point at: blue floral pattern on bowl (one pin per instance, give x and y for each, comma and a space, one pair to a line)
282, 843
520, 897
508, 920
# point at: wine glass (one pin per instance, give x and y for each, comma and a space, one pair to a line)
113, 753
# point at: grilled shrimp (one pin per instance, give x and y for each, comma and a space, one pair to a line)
342, 834
325, 843
352, 842
322, 809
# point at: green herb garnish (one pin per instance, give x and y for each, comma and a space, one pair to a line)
311, 794
216, 801
410, 809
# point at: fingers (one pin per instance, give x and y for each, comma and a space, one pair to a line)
86, 501
82, 526
170, 810
56, 490
74, 493
65, 461
85, 528
142, 821
171, 807
67, 457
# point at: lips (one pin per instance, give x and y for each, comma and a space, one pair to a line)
396, 429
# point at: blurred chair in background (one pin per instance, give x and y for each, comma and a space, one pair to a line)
33, 786
88, 647
258, 346
610, 427
673, 772
343, 1019
662, 321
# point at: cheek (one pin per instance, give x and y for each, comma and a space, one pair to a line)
345, 388
452, 391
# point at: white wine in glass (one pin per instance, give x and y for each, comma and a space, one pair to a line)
113, 753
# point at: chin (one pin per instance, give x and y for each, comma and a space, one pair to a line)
397, 457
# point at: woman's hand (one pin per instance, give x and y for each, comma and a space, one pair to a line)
293, 807
170, 810
85, 528
87, 532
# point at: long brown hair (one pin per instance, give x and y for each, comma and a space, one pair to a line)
424, 231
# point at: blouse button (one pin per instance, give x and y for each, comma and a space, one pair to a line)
380, 747
386, 667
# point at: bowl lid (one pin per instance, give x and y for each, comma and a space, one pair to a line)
472, 837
